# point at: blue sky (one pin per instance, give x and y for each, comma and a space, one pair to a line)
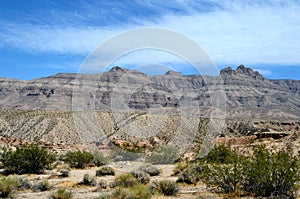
43, 37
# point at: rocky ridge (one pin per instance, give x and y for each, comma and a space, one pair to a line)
245, 93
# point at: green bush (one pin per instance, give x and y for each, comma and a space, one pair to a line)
126, 180
165, 187
272, 174
8, 185
221, 154
191, 174
180, 167
140, 192
62, 194
26, 159
105, 171
264, 173
78, 159
163, 155
99, 159
228, 178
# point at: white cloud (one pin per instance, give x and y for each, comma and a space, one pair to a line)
264, 72
62, 40
238, 33
248, 35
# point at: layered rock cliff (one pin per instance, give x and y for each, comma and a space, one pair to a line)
245, 93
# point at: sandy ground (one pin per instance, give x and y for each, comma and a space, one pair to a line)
76, 176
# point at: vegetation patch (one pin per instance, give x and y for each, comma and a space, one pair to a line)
26, 159
142, 176
78, 159
126, 180
165, 187
105, 171
62, 194
150, 169
8, 185
163, 155
264, 173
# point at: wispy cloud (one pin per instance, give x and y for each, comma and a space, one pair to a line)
231, 32
67, 40
264, 72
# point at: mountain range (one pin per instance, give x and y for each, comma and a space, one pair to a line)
234, 93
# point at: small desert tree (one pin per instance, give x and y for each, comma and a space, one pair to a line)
272, 174
26, 159
78, 159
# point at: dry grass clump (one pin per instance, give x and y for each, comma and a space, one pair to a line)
62, 194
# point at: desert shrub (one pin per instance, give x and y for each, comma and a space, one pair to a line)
165, 187
62, 194
88, 180
142, 176
78, 159
150, 169
119, 154
42, 185
221, 169
121, 192
191, 174
126, 180
265, 173
26, 159
227, 178
63, 170
163, 155
221, 154
272, 174
141, 192
135, 192
104, 171
63, 166
24, 183
64, 173
102, 184
99, 159
113, 184
180, 167
8, 185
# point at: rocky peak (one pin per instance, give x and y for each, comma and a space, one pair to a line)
118, 69
173, 73
247, 71
241, 71
227, 71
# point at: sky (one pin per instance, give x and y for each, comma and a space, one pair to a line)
40, 38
